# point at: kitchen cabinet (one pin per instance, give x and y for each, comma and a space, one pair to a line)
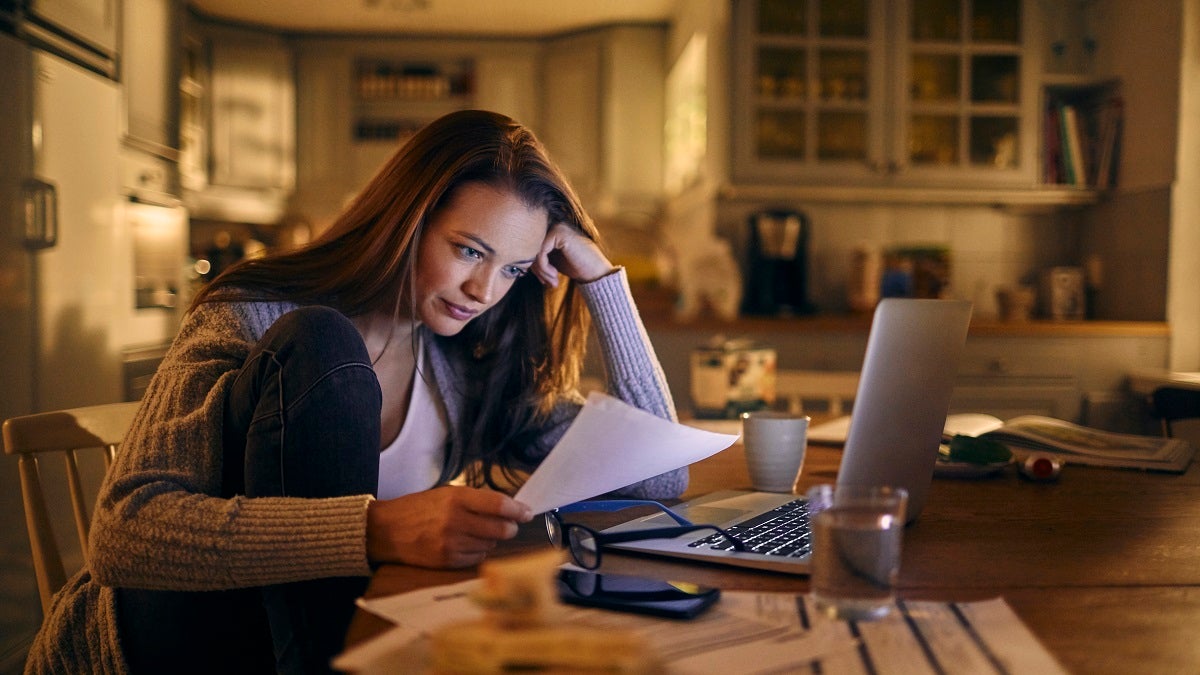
890, 94
85, 31
1076, 371
150, 74
237, 123
253, 115
358, 100
602, 115
193, 113
999, 377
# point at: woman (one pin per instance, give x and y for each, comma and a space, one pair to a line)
435, 331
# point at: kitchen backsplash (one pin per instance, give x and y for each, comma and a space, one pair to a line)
989, 248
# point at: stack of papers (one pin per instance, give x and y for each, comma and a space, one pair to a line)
750, 633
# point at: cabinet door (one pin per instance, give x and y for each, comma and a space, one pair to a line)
964, 89
324, 124
507, 83
91, 21
150, 73
570, 119
866, 92
253, 116
810, 79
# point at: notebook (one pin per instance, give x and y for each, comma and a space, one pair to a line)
900, 408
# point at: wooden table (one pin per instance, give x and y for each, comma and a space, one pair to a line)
1102, 565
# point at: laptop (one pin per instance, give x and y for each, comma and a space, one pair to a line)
899, 412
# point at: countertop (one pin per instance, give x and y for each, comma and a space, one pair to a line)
858, 324
657, 310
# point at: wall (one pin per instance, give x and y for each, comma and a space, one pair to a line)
1129, 234
1131, 230
990, 247
1160, 167
1183, 300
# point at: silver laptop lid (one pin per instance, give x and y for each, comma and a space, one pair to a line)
904, 394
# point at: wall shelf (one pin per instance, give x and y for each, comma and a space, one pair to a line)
395, 97
1032, 197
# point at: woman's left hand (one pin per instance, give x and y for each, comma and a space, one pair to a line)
568, 251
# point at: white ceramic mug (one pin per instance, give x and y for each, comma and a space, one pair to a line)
775, 443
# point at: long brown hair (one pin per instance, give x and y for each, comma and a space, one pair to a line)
523, 353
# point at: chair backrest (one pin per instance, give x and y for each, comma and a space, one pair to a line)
65, 432
1175, 403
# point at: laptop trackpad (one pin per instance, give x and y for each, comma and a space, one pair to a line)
712, 515
699, 515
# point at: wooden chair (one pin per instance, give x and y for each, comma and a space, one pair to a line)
66, 432
1171, 404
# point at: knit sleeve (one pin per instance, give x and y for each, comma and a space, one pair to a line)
632, 371
160, 522
632, 374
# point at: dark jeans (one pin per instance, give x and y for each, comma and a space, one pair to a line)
301, 420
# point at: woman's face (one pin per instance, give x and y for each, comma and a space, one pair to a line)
471, 253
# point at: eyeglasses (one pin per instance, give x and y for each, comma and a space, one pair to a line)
585, 544
554, 523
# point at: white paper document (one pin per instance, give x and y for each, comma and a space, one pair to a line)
749, 633
612, 444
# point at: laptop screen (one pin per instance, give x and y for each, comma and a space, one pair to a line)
904, 394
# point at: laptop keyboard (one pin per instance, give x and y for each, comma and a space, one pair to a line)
782, 531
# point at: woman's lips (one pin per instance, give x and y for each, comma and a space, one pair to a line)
458, 311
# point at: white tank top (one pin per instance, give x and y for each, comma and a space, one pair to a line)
413, 462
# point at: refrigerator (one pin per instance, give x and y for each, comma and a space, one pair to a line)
91, 275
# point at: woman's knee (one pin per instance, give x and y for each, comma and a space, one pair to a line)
311, 351
316, 332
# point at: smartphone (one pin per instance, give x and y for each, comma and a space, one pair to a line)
624, 593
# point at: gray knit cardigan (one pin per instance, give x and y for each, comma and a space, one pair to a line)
160, 524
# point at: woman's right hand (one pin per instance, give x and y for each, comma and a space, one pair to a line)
448, 526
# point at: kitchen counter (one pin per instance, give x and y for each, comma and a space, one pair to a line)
663, 321
658, 312
1075, 370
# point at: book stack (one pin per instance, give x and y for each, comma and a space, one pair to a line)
1082, 142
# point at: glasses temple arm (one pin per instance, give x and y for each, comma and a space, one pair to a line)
663, 532
618, 504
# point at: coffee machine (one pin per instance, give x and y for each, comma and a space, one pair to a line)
777, 264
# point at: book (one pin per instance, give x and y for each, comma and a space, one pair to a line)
1053, 165
1082, 139
1069, 442
1073, 144
1110, 119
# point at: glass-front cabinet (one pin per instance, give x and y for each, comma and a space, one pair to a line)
887, 92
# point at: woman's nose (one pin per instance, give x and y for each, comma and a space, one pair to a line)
479, 287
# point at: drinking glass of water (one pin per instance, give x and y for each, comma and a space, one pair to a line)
857, 533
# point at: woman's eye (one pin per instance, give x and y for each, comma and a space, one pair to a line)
468, 252
516, 272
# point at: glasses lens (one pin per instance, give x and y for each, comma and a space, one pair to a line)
554, 529
583, 583
584, 548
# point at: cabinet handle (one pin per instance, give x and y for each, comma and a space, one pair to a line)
40, 205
